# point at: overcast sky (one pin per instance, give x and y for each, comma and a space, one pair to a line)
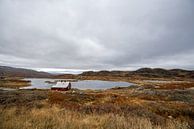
97, 34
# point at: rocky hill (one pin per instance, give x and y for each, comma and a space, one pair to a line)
144, 72
20, 72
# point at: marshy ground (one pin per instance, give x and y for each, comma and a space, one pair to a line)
146, 106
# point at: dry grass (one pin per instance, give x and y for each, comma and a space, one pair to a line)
13, 83
55, 118
166, 85
183, 85
156, 105
170, 106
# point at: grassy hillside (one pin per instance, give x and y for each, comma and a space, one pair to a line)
144, 73
19, 72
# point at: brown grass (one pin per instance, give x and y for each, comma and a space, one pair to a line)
55, 118
13, 83
156, 105
183, 85
169, 106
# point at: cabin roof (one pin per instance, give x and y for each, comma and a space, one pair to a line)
61, 84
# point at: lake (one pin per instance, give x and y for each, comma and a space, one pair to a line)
40, 83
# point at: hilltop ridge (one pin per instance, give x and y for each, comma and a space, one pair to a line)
21, 72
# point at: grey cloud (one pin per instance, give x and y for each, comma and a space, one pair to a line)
104, 34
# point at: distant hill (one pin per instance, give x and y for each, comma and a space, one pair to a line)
158, 72
20, 72
144, 72
66, 76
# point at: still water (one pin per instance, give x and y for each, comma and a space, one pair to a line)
40, 83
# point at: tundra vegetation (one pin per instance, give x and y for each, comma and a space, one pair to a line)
136, 107
161, 99
13, 83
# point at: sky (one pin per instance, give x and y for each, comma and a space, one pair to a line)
79, 35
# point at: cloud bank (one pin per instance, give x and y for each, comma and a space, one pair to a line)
103, 34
